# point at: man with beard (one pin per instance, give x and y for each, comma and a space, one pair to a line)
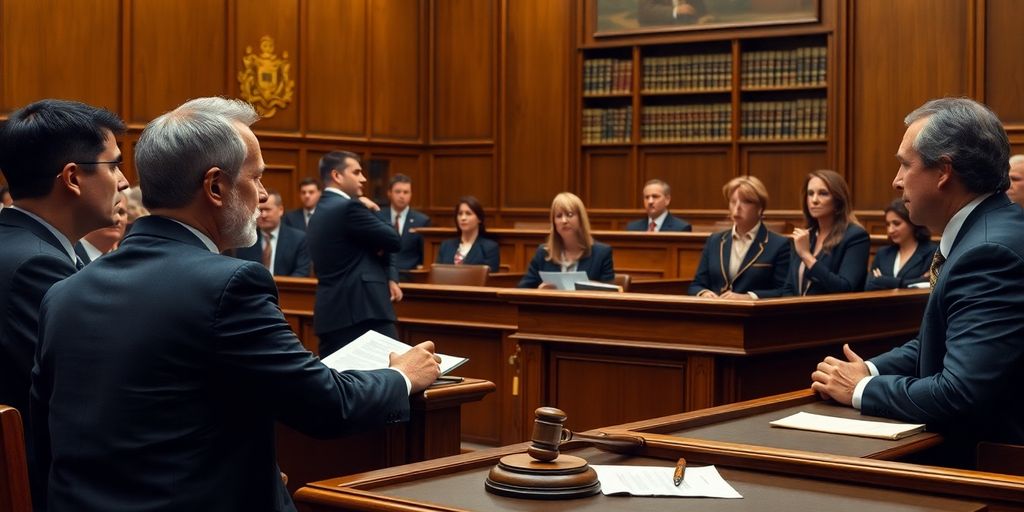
175, 409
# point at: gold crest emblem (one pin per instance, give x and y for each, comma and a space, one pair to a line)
265, 81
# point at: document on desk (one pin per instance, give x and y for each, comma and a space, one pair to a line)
698, 482
850, 427
563, 280
370, 352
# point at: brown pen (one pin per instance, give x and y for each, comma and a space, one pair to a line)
677, 478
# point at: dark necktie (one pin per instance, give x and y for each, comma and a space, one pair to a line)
653, 226
398, 226
78, 263
267, 249
933, 270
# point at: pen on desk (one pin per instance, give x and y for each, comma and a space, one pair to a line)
449, 378
677, 477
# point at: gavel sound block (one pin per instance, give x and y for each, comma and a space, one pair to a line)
543, 473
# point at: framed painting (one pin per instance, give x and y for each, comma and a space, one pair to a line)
620, 17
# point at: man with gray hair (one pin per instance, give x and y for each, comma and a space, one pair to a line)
962, 373
1016, 190
175, 408
657, 197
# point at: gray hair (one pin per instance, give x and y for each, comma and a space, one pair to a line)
665, 189
971, 136
176, 149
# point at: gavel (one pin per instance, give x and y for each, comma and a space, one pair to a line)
549, 437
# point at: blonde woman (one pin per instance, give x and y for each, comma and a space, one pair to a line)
570, 247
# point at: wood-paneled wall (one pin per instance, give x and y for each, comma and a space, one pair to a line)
479, 96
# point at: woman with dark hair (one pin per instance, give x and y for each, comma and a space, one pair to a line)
570, 246
830, 255
906, 261
472, 247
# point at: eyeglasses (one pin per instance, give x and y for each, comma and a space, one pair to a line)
115, 163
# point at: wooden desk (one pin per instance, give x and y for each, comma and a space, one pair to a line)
645, 355
431, 432
837, 484
639, 254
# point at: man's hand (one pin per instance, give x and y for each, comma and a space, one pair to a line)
369, 203
836, 379
735, 296
396, 291
708, 294
419, 364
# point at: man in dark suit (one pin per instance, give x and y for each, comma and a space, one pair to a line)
309, 194
63, 166
962, 374
175, 408
101, 241
278, 247
657, 196
404, 219
352, 250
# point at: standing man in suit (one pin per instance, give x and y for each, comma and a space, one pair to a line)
175, 408
657, 196
1016, 190
309, 194
63, 166
352, 250
962, 374
280, 248
405, 219
101, 241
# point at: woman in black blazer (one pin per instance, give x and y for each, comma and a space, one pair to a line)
830, 255
570, 247
906, 261
746, 261
472, 247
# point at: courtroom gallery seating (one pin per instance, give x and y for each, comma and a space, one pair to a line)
464, 275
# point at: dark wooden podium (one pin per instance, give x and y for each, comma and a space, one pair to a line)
432, 432
828, 473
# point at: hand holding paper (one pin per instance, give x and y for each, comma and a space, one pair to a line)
373, 351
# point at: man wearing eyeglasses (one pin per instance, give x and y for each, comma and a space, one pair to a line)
63, 168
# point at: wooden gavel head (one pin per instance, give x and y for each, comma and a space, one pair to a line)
548, 433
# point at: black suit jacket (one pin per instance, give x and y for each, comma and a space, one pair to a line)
484, 252
411, 254
763, 270
598, 266
352, 253
31, 261
962, 373
842, 269
295, 219
174, 409
292, 257
672, 223
82, 253
913, 271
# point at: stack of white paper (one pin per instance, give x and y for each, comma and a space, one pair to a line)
371, 352
833, 425
563, 280
704, 482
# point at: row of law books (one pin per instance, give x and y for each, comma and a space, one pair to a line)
686, 123
780, 120
687, 72
607, 76
607, 125
782, 68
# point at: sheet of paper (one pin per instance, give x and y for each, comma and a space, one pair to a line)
370, 352
699, 482
563, 280
833, 425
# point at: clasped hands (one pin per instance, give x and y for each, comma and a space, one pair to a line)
836, 379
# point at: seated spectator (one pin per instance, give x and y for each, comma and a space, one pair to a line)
1016, 190
103, 240
5, 197
400, 215
280, 248
657, 196
907, 260
472, 247
830, 255
570, 247
134, 207
309, 194
747, 261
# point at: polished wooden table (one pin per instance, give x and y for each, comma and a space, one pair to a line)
833, 473
431, 432
646, 355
